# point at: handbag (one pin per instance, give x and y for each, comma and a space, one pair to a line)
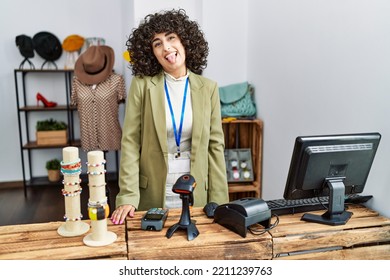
237, 100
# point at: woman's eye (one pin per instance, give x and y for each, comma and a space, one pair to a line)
170, 38
156, 45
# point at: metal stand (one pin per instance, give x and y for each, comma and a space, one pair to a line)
185, 221
29, 62
48, 62
336, 214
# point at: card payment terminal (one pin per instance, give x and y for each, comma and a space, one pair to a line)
154, 219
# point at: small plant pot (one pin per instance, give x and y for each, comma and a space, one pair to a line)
53, 175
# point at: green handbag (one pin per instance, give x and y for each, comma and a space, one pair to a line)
237, 100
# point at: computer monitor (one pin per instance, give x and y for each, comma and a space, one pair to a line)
330, 165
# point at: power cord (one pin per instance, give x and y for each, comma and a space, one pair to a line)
262, 231
316, 194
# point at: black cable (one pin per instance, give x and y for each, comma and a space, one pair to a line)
316, 194
259, 232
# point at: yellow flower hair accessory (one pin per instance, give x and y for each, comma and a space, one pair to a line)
126, 56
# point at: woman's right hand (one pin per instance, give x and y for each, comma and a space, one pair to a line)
120, 213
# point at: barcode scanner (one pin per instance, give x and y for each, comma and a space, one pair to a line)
185, 186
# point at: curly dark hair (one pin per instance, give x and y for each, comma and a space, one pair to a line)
139, 44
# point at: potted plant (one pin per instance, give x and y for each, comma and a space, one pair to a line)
53, 167
51, 132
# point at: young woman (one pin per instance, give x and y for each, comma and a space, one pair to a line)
173, 119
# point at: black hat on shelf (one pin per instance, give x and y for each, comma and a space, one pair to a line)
47, 46
26, 49
25, 45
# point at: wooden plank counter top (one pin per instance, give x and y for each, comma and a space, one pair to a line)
42, 242
214, 241
365, 236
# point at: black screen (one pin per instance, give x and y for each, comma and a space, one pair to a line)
319, 161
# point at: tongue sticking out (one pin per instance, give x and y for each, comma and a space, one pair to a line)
171, 57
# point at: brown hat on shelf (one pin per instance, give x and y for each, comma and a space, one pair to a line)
73, 43
95, 64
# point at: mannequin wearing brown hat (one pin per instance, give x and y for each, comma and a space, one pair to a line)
97, 92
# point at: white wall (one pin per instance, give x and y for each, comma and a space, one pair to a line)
319, 66
88, 18
225, 25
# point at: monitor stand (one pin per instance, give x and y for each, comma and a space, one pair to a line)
336, 214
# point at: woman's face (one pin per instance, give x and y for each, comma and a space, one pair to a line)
170, 53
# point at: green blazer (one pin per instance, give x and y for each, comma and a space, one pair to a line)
144, 150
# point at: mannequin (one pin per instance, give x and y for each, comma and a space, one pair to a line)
97, 92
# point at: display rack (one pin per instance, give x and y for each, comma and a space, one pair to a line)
24, 110
245, 134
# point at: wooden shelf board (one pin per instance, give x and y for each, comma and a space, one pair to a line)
44, 70
243, 188
33, 145
41, 108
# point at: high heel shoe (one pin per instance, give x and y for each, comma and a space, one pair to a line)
45, 102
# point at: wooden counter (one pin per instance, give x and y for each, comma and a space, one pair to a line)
42, 242
365, 236
214, 241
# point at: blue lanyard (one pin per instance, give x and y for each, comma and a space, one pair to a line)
177, 135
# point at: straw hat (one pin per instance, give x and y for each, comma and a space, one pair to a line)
95, 64
73, 43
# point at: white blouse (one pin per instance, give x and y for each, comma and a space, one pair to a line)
176, 93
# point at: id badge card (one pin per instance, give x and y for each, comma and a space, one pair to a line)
179, 165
